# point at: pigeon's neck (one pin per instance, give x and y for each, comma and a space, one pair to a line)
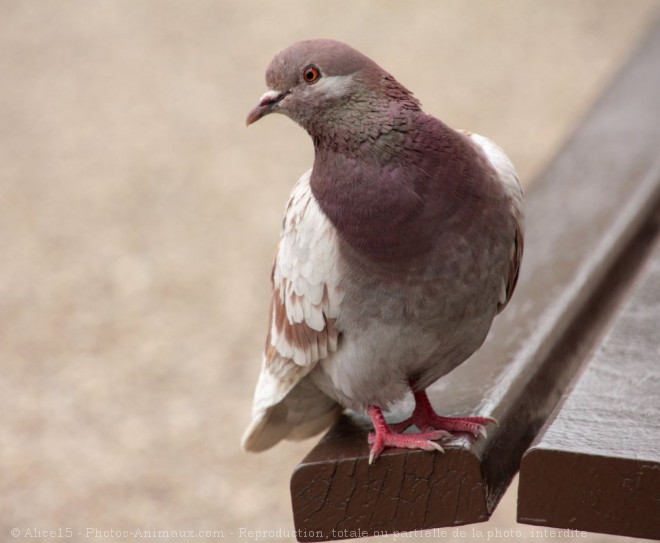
386, 196
364, 125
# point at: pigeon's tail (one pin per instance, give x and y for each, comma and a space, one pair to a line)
304, 412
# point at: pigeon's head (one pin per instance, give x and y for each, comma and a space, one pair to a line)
322, 82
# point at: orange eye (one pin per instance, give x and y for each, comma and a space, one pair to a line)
311, 74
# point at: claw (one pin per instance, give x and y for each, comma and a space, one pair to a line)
440, 433
436, 446
408, 441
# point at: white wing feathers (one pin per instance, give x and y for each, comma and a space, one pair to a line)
304, 308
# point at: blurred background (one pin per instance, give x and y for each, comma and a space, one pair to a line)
139, 219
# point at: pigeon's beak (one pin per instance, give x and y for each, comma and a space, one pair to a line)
267, 103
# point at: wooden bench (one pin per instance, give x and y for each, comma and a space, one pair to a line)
591, 226
596, 466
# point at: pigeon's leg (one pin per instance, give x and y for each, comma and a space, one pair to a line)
426, 419
385, 437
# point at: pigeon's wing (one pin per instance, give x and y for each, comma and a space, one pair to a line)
511, 279
507, 175
304, 309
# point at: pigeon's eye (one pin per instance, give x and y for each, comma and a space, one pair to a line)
311, 74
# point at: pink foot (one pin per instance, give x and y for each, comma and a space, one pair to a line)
426, 419
385, 437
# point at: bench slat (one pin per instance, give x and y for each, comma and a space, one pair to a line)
596, 467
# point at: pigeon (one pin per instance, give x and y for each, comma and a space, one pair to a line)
397, 250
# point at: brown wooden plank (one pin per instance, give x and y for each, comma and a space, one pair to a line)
596, 467
586, 224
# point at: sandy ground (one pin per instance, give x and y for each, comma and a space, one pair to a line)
139, 219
